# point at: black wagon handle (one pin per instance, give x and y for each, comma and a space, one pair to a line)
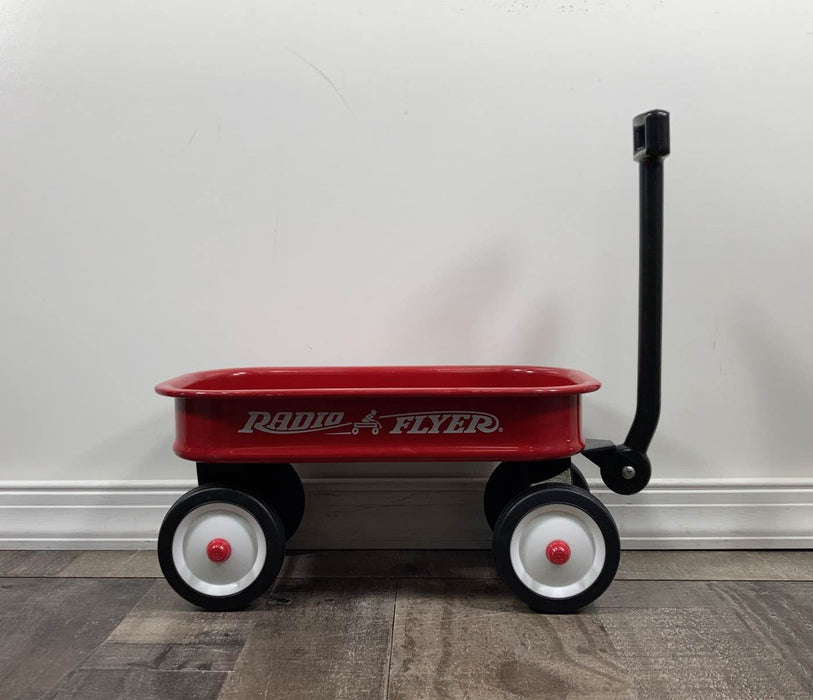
650, 135
651, 145
625, 468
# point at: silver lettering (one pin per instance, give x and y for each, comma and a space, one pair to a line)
256, 419
320, 420
401, 423
416, 427
279, 422
437, 421
302, 421
333, 419
484, 424
456, 424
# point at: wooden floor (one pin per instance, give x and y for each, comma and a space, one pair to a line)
408, 625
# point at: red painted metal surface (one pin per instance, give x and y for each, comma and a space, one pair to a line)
343, 414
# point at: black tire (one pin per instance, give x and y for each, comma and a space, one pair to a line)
270, 526
577, 478
509, 479
584, 503
276, 485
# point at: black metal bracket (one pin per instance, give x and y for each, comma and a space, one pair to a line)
623, 469
626, 468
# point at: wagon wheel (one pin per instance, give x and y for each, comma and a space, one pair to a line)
577, 478
510, 479
277, 485
220, 548
557, 547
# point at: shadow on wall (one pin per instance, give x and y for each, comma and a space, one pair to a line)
468, 315
779, 371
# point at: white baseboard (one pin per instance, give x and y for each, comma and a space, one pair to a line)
408, 513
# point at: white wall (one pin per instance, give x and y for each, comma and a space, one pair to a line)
197, 184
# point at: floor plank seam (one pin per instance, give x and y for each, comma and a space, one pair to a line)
392, 641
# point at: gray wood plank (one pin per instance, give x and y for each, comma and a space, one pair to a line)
140, 684
164, 647
160, 600
723, 565
50, 625
34, 562
698, 652
656, 594
780, 616
138, 564
171, 656
473, 639
162, 617
320, 638
398, 563
194, 627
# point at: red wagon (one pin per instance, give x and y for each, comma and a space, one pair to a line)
222, 544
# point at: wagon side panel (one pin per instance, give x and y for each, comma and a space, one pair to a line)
335, 429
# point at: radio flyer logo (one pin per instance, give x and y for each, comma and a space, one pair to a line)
335, 423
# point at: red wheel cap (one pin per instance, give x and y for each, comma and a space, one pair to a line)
558, 552
218, 550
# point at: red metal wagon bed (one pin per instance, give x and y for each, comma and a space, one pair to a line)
320, 414
222, 544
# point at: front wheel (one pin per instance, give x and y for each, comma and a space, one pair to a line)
510, 479
557, 547
220, 548
577, 478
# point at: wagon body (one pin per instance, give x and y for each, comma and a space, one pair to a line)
343, 414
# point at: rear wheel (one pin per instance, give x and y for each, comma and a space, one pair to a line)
557, 547
220, 548
276, 485
510, 479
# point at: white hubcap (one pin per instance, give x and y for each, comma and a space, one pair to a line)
219, 521
552, 523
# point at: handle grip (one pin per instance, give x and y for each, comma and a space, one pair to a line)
650, 135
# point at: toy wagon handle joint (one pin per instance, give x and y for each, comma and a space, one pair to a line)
625, 468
